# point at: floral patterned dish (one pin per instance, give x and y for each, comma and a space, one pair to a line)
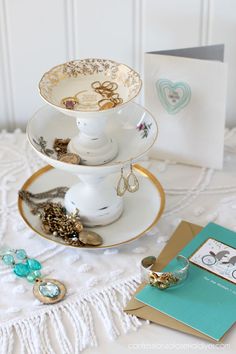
89, 85
132, 127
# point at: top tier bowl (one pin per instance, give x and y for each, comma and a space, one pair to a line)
90, 90
87, 87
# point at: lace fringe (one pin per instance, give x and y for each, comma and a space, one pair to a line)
68, 327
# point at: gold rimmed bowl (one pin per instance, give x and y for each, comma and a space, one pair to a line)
89, 85
91, 91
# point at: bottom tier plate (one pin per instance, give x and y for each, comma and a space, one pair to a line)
142, 209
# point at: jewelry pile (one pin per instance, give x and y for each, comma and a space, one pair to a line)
106, 90
56, 221
59, 149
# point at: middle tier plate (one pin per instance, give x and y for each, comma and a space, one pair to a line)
131, 128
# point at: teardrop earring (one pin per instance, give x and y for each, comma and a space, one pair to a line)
121, 185
132, 181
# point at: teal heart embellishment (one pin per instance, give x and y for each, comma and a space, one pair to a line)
173, 96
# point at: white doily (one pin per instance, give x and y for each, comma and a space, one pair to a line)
98, 282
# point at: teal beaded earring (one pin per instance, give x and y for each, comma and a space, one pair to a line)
48, 291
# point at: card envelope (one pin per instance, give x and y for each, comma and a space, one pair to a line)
181, 237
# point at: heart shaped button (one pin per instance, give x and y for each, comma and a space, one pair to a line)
173, 96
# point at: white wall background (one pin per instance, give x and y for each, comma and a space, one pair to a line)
38, 34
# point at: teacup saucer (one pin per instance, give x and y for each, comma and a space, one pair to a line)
142, 209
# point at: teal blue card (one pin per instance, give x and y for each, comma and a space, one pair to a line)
206, 300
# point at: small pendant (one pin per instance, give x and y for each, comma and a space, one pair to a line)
49, 291
121, 186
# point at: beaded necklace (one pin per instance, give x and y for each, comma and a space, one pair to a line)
48, 291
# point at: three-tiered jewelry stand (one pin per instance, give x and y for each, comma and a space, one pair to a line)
91, 104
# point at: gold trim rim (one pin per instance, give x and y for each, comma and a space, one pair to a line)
84, 111
143, 171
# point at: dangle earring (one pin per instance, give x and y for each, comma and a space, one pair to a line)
122, 185
132, 181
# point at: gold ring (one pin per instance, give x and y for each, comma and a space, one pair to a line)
70, 102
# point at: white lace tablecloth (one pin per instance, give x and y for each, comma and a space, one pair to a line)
99, 283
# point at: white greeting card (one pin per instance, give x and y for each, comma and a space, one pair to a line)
186, 92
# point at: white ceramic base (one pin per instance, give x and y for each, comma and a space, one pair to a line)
94, 151
97, 201
142, 209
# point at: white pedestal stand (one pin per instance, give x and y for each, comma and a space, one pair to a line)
96, 199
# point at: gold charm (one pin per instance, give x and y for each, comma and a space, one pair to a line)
162, 281
49, 291
121, 185
132, 181
90, 238
70, 158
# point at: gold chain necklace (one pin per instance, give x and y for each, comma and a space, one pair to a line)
56, 221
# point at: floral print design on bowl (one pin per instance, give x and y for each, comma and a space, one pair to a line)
82, 74
144, 129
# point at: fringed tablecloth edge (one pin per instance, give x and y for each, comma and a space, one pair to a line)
32, 331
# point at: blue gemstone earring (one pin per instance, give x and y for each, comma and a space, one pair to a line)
48, 291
